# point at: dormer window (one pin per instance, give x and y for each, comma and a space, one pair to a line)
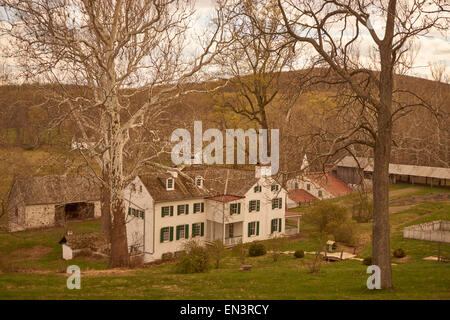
199, 181
170, 184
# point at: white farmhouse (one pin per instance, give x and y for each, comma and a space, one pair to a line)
165, 210
317, 185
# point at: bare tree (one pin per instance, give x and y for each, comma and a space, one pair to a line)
110, 51
253, 62
336, 30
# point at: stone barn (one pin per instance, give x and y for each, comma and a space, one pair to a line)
37, 202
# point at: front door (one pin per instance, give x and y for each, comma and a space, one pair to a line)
230, 230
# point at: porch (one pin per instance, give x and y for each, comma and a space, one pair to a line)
229, 233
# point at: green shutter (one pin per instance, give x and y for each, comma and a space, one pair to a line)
231, 209
162, 211
203, 207
178, 232
186, 231
272, 224
260, 188
281, 203
279, 225
193, 234
186, 210
171, 210
129, 211
249, 229
171, 233
257, 205
239, 208
202, 229
257, 228
249, 206
162, 235
274, 203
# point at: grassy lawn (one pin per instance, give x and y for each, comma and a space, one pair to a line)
31, 268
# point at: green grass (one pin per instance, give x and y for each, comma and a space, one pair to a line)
43, 277
288, 278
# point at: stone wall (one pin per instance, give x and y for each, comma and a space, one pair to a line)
38, 216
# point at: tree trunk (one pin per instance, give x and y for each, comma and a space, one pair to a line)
119, 244
105, 227
381, 246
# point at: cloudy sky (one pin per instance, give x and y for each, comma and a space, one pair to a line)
433, 48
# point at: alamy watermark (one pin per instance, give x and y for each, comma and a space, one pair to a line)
74, 280
213, 152
374, 281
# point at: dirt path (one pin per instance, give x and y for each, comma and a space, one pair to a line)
400, 208
400, 192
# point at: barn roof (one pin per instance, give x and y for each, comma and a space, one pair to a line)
417, 171
351, 162
54, 189
399, 169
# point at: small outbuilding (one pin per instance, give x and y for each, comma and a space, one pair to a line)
36, 202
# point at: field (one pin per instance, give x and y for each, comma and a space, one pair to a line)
31, 268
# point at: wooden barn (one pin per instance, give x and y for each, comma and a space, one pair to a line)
353, 171
36, 202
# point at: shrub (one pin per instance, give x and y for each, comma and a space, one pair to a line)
168, 256
299, 254
195, 260
399, 253
367, 261
346, 232
217, 251
256, 250
324, 214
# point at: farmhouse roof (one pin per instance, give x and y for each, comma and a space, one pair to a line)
301, 195
216, 182
330, 183
55, 189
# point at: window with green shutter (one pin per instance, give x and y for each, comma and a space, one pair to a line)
197, 229
253, 228
165, 234
233, 208
181, 232
165, 211
277, 203
257, 189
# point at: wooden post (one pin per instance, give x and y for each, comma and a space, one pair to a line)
342, 252
439, 252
